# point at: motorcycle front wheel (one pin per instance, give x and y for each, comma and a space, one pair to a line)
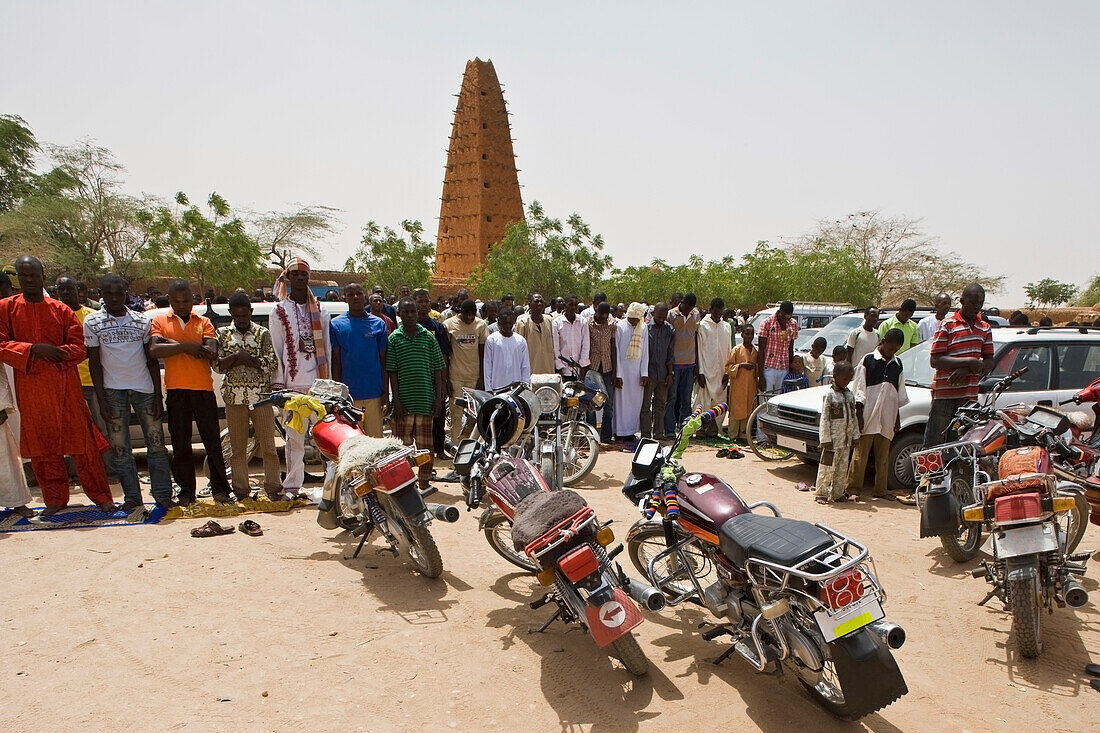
498, 532
1027, 616
627, 651
646, 542
965, 545
581, 445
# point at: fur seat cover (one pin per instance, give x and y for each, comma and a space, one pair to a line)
537, 513
361, 452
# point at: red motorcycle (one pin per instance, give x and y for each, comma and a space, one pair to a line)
793, 596
1082, 467
553, 533
370, 483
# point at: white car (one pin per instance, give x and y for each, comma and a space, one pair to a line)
1060, 361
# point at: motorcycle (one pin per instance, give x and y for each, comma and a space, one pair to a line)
370, 483
1033, 567
555, 532
1082, 467
798, 596
567, 446
949, 476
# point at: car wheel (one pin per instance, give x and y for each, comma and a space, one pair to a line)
901, 462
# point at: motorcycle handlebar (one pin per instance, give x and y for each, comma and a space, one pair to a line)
1012, 377
473, 501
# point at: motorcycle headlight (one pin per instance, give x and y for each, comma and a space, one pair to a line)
548, 399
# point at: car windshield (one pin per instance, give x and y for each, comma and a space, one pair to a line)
836, 332
918, 373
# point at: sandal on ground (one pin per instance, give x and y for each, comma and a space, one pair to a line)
734, 453
212, 529
907, 499
23, 511
819, 500
802, 486
886, 497
250, 528
722, 453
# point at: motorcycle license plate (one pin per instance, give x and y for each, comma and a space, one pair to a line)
1030, 540
792, 443
848, 619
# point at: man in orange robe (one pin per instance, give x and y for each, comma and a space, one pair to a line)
42, 341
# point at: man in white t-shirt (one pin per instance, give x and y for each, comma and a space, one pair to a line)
931, 323
124, 377
864, 340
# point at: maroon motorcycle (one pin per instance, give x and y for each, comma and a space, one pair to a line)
792, 595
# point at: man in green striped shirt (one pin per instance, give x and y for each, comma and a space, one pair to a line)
414, 365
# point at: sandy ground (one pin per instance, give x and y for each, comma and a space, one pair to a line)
145, 628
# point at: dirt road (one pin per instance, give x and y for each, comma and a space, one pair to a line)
145, 628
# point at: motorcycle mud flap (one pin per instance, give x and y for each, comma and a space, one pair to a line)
1023, 570
608, 621
411, 504
940, 513
867, 672
326, 514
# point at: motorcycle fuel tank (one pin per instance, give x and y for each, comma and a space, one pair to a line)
330, 433
706, 502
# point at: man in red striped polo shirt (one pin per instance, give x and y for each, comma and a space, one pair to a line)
962, 351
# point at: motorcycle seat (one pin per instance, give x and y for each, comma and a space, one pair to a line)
775, 539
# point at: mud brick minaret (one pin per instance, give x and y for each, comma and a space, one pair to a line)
481, 187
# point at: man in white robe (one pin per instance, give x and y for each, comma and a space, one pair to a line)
632, 371
506, 360
13, 482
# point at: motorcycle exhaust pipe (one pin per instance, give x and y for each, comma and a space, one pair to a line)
645, 596
1075, 595
891, 635
443, 513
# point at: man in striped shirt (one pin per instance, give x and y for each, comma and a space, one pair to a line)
415, 366
961, 352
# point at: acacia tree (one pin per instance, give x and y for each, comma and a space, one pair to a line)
391, 260
1049, 292
543, 255
17, 150
212, 249
285, 235
905, 261
1090, 296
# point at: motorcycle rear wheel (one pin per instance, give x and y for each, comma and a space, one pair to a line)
1027, 616
764, 449
498, 532
964, 546
627, 650
350, 509
422, 551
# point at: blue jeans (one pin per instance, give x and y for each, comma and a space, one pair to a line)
118, 435
679, 396
607, 432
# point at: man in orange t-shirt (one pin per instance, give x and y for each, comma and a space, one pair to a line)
186, 342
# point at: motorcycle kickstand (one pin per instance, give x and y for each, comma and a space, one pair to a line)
367, 527
988, 597
545, 626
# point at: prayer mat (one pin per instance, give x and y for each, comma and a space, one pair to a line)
80, 517
258, 504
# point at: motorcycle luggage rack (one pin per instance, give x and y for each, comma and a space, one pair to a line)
562, 532
935, 461
841, 550
685, 571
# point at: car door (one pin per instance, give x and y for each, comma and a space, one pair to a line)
1035, 385
1077, 365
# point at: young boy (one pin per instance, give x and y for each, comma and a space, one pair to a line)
813, 364
795, 379
247, 359
880, 392
838, 431
741, 368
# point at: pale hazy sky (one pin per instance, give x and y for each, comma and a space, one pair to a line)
671, 128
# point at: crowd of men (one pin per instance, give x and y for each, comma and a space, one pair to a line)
79, 368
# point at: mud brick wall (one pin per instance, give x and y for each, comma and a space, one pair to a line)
481, 186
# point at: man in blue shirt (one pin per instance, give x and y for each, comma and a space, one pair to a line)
359, 342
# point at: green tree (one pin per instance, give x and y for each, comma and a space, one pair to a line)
17, 149
1090, 296
391, 260
543, 255
1049, 292
75, 216
905, 260
211, 249
285, 235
